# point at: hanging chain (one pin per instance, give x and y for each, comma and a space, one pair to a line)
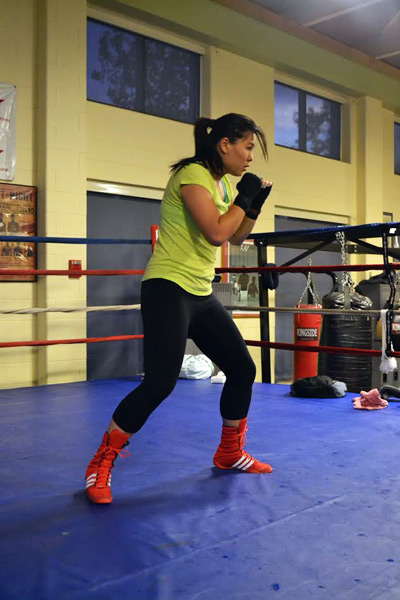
346, 279
310, 287
397, 280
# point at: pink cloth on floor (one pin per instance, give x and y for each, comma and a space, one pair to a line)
370, 400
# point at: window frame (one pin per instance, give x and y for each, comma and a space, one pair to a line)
335, 144
196, 98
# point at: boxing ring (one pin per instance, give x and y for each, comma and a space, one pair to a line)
324, 524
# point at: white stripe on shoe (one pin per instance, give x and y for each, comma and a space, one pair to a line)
243, 463
239, 462
248, 465
91, 480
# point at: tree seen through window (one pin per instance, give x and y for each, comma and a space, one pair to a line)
131, 71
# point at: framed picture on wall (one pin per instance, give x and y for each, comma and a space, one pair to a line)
244, 285
393, 240
17, 218
387, 217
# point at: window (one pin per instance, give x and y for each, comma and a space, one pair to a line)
306, 122
132, 71
397, 148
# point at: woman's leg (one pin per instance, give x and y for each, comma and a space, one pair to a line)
165, 319
165, 325
215, 333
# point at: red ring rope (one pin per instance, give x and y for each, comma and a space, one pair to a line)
291, 269
308, 268
76, 273
113, 338
325, 349
276, 345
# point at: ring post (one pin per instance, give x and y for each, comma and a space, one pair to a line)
264, 318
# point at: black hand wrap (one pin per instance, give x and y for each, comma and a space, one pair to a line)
248, 187
257, 203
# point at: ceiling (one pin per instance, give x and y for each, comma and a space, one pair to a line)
371, 26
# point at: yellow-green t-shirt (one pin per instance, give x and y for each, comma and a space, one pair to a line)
182, 254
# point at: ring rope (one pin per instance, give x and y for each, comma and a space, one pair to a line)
252, 308
318, 311
324, 349
113, 338
35, 311
276, 345
75, 274
68, 240
290, 269
306, 268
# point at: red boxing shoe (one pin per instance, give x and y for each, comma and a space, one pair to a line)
230, 453
98, 473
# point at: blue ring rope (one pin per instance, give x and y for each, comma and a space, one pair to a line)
68, 240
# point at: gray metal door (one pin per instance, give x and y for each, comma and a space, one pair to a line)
123, 217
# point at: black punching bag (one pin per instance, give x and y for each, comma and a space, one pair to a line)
347, 331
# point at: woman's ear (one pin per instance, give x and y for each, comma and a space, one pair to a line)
223, 145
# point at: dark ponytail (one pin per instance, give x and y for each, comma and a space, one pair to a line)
202, 143
207, 134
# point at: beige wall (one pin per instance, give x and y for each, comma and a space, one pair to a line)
139, 148
63, 141
61, 177
43, 44
17, 48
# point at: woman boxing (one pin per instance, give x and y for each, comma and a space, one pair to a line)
198, 214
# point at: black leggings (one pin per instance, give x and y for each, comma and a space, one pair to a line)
170, 316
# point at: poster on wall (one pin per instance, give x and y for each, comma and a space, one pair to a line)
8, 118
394, 240
17, 218
244, 285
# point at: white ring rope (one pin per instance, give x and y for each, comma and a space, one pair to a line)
34, 311
318, 311
252, 308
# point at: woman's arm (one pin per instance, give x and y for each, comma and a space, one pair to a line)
215, 227
247, 224
242, 232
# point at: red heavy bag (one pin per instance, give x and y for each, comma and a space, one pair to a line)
306, 330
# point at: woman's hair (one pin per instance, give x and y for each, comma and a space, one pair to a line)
207, 134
